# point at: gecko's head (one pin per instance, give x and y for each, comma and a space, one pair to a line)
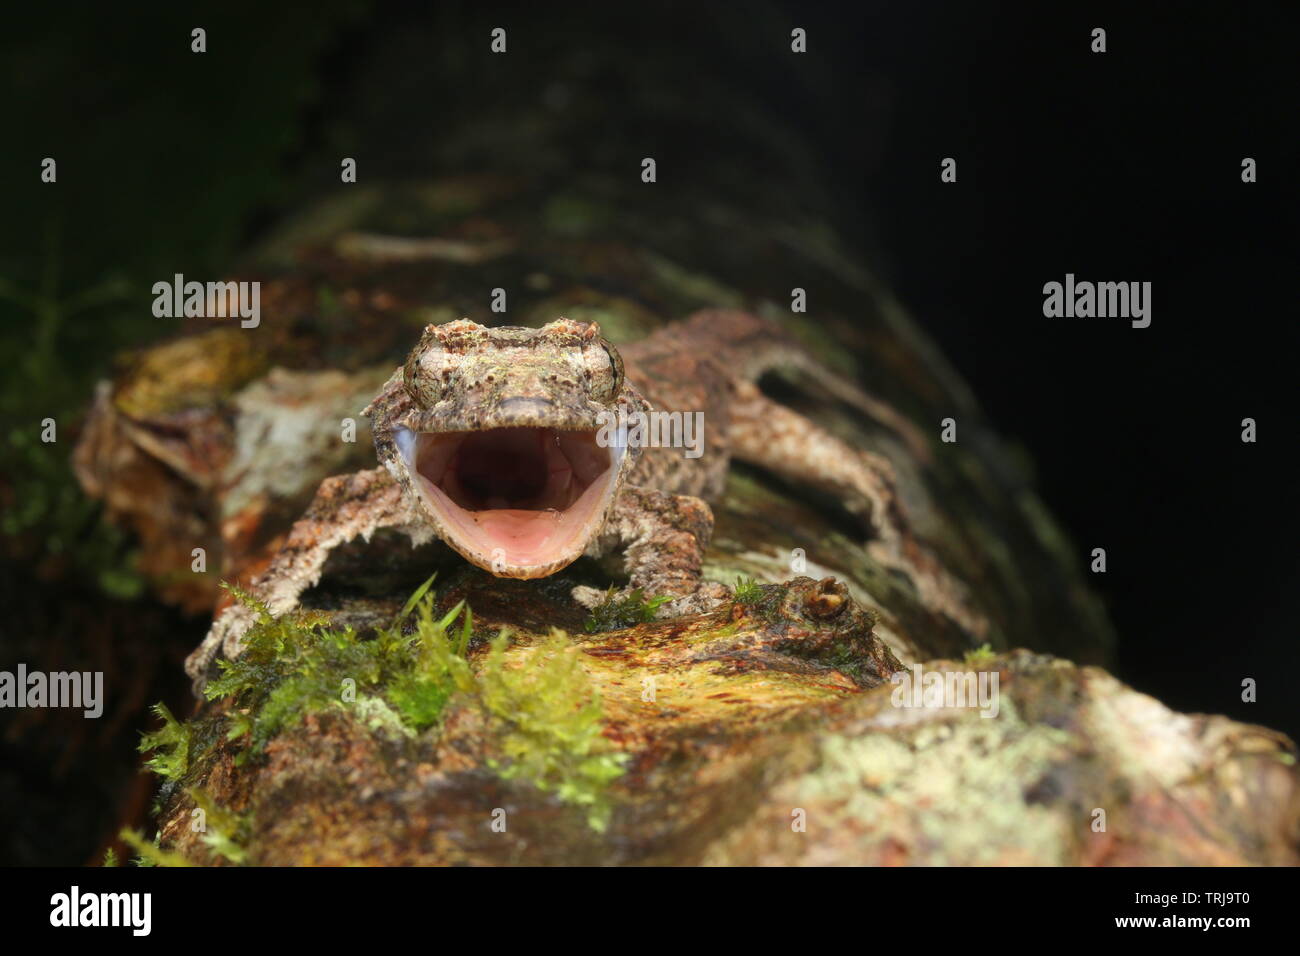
507, 439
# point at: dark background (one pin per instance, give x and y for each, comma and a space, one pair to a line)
1121, 166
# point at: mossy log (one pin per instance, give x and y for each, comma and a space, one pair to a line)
768, 731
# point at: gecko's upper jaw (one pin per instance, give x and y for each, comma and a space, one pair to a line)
520, 502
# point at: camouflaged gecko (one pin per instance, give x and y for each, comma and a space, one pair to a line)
498, 442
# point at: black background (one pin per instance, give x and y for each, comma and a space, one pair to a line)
1125, 165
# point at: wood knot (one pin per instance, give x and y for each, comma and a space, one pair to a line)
828, 600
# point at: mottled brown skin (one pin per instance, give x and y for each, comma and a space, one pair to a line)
465, 378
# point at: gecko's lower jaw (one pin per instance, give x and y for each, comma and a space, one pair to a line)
519, 502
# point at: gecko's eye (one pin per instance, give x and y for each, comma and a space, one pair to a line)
606, 367
423, 372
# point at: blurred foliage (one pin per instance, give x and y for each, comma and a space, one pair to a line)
170, 745
163, 166
149, 854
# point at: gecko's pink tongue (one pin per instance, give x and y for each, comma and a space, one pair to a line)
516, 531
520, 502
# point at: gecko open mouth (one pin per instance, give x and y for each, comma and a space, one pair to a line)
521, 502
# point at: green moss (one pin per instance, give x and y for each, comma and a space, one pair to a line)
619, 612
399, 683
747, 591
296, 665
379, 717
170, 744
224, 832
419, 704
553, 720
48, 510
440, 668
980, 656
110, 858
847, 661
762, 601
46, 513
150, 854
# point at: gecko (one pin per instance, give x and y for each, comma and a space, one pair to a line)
498, 442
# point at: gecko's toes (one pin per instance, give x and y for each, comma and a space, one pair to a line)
706, 597
589, 597
714, 591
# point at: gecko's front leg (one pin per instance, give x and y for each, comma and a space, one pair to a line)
662, 538
345, 507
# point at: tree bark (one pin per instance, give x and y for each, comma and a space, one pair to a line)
770, 731
775, 735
